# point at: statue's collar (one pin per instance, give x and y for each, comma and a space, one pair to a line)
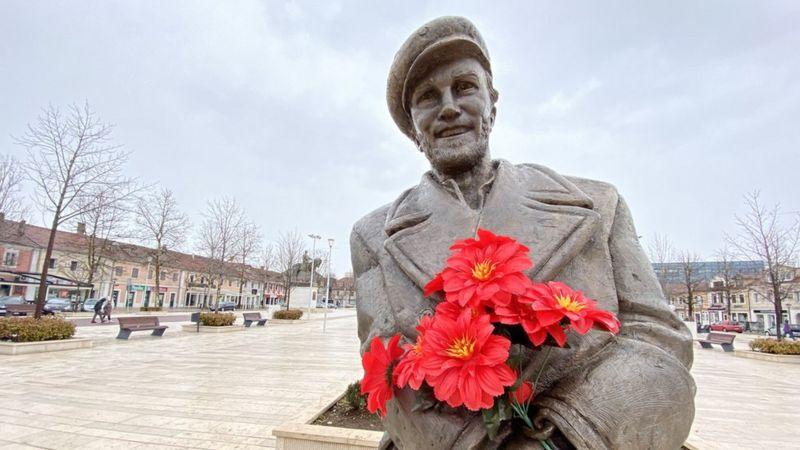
533, 204
531, 181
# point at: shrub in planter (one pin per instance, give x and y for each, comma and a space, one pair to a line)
150, 308
29, 329
287, 314
353, 396
775, 346
217, 319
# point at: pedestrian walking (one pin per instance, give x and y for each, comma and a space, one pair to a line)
787, 330
107, 311
98, 310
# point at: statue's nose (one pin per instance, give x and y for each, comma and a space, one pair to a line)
449, 110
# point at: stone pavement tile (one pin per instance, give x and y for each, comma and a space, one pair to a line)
14, 432
6, 445
55, 439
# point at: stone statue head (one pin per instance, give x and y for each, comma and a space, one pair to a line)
440, 93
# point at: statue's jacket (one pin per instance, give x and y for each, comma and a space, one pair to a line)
630, 391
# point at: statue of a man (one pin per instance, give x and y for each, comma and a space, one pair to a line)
630, 391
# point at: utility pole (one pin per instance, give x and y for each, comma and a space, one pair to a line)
327, 286
314, 238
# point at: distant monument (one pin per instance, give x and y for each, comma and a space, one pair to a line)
631, 391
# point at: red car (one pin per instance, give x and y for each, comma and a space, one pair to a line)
727, 325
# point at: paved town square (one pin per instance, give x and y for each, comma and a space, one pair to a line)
230, 390
183, 391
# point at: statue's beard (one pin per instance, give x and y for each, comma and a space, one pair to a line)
455, 156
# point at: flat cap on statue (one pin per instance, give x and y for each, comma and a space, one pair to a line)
437, 42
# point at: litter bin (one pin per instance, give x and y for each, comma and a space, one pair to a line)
195, 318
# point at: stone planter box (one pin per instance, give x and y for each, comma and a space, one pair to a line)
204, 329
298, 436
791, 359
22, 348
287, 321
301, 435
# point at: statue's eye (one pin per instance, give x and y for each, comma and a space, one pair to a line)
426, 98
465, 87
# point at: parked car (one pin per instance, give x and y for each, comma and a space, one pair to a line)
331, 304
727, 325
9, 300
88, 304
58, 305
794, 327
703, 328
223, 306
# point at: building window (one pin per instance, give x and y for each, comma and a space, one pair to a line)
52, 264
10, 258
191, 278
175, 276
73, 265
118, 271
163, 275
135, 272
741, 298
150, 274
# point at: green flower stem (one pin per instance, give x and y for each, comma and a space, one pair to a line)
541, 368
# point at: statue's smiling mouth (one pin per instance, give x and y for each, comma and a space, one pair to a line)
452, 131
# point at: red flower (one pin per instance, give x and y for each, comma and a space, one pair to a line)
520, 311
464, 362
409, 370
452, 310
378, 365
555, 301
484, 270
523, 393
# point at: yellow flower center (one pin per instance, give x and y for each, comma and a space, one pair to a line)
417, 348
569, 303
461, 348
483, 270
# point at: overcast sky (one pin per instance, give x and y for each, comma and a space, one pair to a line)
684, 106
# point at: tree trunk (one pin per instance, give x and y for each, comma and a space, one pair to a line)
158, 278
778, 312
728, 302
41, 298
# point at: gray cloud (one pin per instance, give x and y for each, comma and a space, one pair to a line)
684, 106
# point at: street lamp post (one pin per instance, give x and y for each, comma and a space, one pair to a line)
327, 286
314, 238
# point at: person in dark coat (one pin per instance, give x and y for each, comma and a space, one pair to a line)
98, 310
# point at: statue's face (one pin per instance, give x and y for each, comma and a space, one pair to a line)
453, 112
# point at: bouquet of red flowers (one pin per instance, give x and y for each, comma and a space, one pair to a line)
462, 351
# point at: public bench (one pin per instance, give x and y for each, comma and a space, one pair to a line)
251, 317
128, 325
723, 340
20, 309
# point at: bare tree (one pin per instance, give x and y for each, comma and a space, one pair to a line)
11, 176
249, 244
267, 262
220, 235
100, 228
289, 249
690, 278
765, 234
724, 256
161, 226
70, 157
661, 252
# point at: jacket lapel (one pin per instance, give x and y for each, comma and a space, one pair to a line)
530, 203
